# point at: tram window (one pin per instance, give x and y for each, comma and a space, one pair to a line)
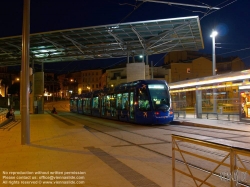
79, 103
119, 101
143, 100
112, 105
108, 102
131, 99
159, 95
95, 102
88, 102
87, 105
132, 105
125, 103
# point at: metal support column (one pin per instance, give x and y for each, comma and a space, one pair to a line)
234, 174
198, 104
32, 66
42, 67
146, 59
152, 70
127, 57
173, 161
25, 121
142, 56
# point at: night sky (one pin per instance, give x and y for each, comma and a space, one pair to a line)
232, 22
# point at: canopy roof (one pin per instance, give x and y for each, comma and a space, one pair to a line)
106, 41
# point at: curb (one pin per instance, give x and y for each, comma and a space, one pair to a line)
186, 123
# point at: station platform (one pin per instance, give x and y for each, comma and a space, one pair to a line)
191, 120
67, 155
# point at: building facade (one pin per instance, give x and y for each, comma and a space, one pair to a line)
186, 65
90, 80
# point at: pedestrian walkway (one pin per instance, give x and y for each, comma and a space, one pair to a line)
62, 153
213, 123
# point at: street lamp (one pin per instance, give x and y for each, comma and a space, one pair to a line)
88, 88
213, 35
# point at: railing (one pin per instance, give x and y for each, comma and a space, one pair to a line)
221, 116
180, 113
209, 164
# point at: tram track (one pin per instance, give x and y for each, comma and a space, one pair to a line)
143, 146
162, 141
217, 131
95, 126
180, 130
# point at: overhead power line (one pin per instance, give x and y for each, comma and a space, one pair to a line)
181, 4
235, 51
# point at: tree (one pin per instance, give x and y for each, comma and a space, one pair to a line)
6, 82
14, 89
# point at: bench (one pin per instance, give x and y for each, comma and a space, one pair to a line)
179, 113
209, 113
219, 114
230, 114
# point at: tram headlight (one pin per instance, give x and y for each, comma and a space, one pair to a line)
157, 113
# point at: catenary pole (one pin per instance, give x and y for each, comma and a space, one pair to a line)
213, 35
25, 121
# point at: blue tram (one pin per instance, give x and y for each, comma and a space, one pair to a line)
142, 101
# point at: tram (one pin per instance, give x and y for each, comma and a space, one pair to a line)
142, 102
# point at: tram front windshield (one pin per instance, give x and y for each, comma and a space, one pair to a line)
160, 96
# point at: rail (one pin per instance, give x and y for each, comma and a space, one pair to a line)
213, 164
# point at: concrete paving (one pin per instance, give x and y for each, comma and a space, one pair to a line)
66, 155
57, 155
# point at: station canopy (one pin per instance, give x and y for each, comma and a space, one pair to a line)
106, 41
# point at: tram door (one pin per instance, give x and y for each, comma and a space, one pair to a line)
131, 106
103, 105
143, 113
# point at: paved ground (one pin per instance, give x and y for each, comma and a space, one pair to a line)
71, 155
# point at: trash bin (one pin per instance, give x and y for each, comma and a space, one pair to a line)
36, 110
221, 109
35, 107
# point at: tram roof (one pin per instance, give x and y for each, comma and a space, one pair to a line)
106, 41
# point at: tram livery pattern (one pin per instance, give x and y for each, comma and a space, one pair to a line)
142, 102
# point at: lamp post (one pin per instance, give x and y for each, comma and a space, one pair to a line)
88, 87
213, 35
